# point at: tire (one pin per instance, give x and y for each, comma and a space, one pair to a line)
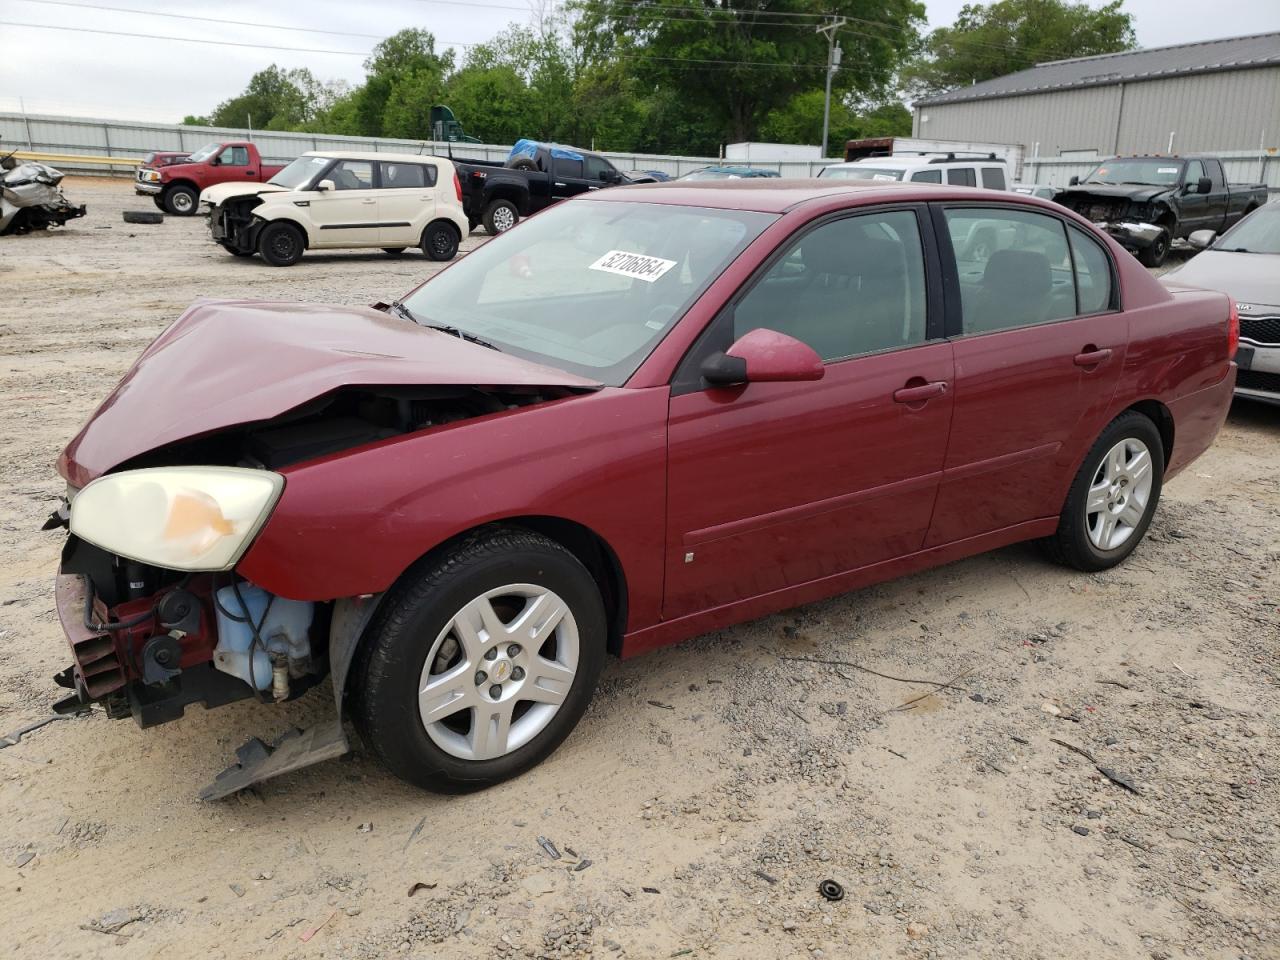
1117, 485
234, 251
394, 251
180, 201
412, 640
281, 244
1153, 255
522, 163
440, 241
143, 216
158, 201
500, 216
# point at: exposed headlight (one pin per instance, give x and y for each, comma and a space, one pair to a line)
151, 176
183, 518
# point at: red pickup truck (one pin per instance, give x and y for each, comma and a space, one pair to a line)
176, 187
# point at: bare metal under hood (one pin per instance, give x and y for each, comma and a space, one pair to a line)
228, 363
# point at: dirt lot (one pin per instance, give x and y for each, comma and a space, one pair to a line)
711, 786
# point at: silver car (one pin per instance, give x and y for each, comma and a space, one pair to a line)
1244, 263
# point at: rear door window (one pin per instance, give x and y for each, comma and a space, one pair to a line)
1014, 268
927, 176
401, 176
1093, 273
564, 167
961, 177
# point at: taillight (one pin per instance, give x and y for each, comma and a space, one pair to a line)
1233, 331
457, 188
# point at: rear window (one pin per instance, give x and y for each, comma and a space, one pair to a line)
400, 176
993, 178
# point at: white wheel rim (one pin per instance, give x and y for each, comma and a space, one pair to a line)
504, 219
498, 672
182, 201
1119, 494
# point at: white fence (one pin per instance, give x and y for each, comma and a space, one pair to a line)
115, 138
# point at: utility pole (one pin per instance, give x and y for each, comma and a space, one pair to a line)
833, 63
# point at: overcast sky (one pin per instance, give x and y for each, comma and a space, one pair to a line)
104, 74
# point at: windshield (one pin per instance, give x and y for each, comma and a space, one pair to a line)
590, 286
1257, 233
711, 175
205, 152
859, 173
1155, 173
299, 172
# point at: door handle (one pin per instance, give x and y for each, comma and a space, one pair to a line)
1091, 356
368, 201
926, 391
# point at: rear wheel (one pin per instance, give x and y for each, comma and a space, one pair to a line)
1153, 255
500, 216
480, 662
1113, 496
440, 241
281, 244
180, 201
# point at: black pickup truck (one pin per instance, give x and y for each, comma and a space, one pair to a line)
533, 176
1147, 202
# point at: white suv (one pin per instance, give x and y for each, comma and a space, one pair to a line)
956, 171
327, 200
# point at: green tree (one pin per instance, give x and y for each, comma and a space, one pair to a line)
1011, 35
274, 99
405, 77
800, 121
733, 62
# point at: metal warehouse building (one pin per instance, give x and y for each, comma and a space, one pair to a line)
1213, 96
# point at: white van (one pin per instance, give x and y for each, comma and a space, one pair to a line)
989, 172
326, 200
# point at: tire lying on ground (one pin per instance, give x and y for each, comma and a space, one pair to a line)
143, 216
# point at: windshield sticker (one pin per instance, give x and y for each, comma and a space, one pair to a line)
1166, 170
634, 265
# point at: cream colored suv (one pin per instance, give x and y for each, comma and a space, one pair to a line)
327, 200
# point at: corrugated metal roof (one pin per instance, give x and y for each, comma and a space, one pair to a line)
1204, 56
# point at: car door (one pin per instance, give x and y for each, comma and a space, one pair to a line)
234, 164
772, 485
1218, 201
568, 174
1195, 206
1039, 346
347, 215
406, 201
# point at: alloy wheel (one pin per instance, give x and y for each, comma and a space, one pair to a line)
498, 672
503, 219
1119, 494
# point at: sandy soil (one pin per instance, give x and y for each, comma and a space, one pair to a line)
711, 786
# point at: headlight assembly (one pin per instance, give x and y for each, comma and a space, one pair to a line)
182, 518
151, 176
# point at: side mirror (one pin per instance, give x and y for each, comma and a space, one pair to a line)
215, 160
1204, 185
1201, 239
1074, 181
326, 185
763, 356
611, 176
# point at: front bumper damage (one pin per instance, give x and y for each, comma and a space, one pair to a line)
136, 659
1132, 234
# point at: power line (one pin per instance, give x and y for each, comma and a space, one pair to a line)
154, 36
185, 16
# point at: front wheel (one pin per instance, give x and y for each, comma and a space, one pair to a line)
1153, 255
180, 201
235, 251
480, 662
281, 244
440, 241
1113, 496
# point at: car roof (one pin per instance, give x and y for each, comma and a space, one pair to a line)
372, 155
910, 163
778, 195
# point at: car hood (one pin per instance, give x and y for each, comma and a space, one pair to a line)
222, 191
1248, 278
1120, 191
224, 363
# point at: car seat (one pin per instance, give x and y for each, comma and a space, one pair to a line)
1015, 292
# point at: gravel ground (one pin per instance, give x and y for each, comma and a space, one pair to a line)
1090, 770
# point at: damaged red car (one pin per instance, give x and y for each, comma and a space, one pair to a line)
641, 415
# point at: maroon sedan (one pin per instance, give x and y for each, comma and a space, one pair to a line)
642, 415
